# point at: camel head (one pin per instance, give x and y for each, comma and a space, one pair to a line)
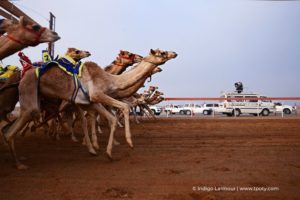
160, 99
152, 88
76, 54
28, 34
158, 93
127, 58
158, 57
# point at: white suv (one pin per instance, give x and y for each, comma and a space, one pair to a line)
188, 109
156, 110
286, 109
173, 109
209, 108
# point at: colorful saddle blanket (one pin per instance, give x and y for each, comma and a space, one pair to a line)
66, 63
8, 72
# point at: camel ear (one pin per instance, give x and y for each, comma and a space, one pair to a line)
121, 52
152, 52
70, 50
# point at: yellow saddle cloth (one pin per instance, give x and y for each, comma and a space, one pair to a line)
9, 72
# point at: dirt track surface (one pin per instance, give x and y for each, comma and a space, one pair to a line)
173, 159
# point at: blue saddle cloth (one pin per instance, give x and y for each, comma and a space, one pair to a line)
65, 63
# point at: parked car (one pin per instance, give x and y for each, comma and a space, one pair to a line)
209, 108
156, 110
286, 109
173, 109
188, 109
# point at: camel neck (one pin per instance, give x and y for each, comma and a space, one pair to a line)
8, 47
130, 78
131, 90
115, 69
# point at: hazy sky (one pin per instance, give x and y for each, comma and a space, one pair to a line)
218, 42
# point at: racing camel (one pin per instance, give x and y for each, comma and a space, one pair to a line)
101, 87
23, 34
118, 66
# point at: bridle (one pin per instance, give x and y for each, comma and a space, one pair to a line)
37, 35
131, 57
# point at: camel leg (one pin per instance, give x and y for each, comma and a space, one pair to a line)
112, 123
149, 111
98, 124
12, 131
107, 100
19, 165
135, 116
85, 131
93, 127
24, 129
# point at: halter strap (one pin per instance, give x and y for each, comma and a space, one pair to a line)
132, 57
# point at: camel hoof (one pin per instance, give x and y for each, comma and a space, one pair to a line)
129, 141
96, 146
116, 143
93, 152
109, 156
74, 139
21, 166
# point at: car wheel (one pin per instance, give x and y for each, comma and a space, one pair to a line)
181, 112
236, 112
205, 112
287, 111
188, 112
265, 112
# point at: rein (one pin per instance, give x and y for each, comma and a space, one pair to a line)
36, 34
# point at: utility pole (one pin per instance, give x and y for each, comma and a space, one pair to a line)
52, 22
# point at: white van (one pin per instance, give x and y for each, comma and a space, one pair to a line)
237, 107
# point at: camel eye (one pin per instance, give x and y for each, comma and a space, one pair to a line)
163, 53
77, 52
36, 27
